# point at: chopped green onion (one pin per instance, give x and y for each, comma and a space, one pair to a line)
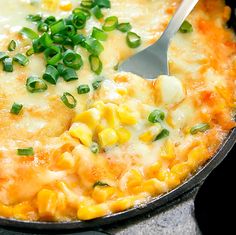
72, 59
37, 46
7, 64
99, 34
79, 20
94, 148
87, 3
57, 26
124, 27
110, 23
58, 38
83, 10
35, 85
21, 59
97, 83
93, 46
186, 27
164, 133
30, 52
34, 18
51, 74
29, 33
97, 12
69, 100
95, 64
3, 56
70, 30
12, 45
43, 27
69, 74
133, 40
103, 3
25, 152
100, 183
83, 89
45, 40
50, 20
53, 55
78, 39
16, 108
61, 68
116, 67
201, 127
156, 116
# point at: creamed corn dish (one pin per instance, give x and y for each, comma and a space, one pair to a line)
80, 140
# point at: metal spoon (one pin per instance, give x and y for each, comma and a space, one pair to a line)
153, 61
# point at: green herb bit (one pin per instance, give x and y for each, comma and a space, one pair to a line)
72, 59
95, 64
103, 3
156, 116
25, 152
69, 100
35, 85
97, 83
51, 75
34, 18
53, 55
99, 34
94, 148
37, 46
50, 20
12, 45
7, 65
45, 40
79, 20
3, 56
43, 27
57, 26
93, 46
101, 184
133, 40
29, 33
83, 89
30, 52
97, 12
83, 10
116, 67
164, 133
110, 23
21, 59
201, 127
78, 39
16, 108
186, 27
69, 74
87, 4
124, 27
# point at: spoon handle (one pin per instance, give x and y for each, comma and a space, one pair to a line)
182, 12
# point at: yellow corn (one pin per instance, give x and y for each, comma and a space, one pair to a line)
92, 212
122, 91
182, 170
197, 156
102, 194
124, 135
90, 117
122, 204
50, 5
154, 187
151, 133
134, 179
6, 211
99, 105
111, 116
126, 116
168, 151
172, 180
153, 170
24, 211
81, 132
47, 203
162, 174
66, 161
107, 137
66, 5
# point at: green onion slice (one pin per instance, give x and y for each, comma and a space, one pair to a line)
30, 52
94, 148
100, 183
70, 30
29, 33
45, 40
78, 39
37, 46
16, 108
83, 89
93, 46
35, 85
83, 10
69, 74
58, 38
34, 18
3, 56
7, 64
124, 27
164, 133
53, 55
50, 20
97, 12
186, 27
51, 74
95, 64
25, 152
201, 127
97, 83
87, 4
69, 100
43, 27
156, 116
21, 59
110, 23
103, 3
133, 40
99, 34
72, 59
12, 45
79, 20
57, 26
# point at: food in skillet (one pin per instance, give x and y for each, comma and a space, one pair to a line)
79, 140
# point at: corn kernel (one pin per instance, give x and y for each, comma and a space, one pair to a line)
81, 132
50, 5
134, 179
153, 170
197, 156
111, 116
162, 174
99, 105
122, 91
154, 187
90, 117
169, 151
172, 180
92, 212
66, 5
151, 133
126, 115
102, 194
66, 161
24, 211
182, 170
47, 203
122, 204
124, 135
6, 211
107, 137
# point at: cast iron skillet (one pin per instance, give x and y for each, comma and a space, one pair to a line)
156, 203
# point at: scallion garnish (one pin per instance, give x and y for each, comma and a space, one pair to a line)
70, 30
201, 127
83, 89
94, 148
34, 18
16, 108
72, 59
156, 116
58, 38
164, 133
93, 46
97, 12
50, 20
99, 34
57, 26
45, 40
95, 64
53, 55
97, 83
124, 27
133, 40
186, 27
110, 23
69, 100
83, 10
78, 39
43, 27
51, 74
100, 183
29, 33
25, 152
21, 59
79, 20
7, 64
30, 52
69, 74
87, 3
37, 46
103, 3
35, 85
3, 56
12, 45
